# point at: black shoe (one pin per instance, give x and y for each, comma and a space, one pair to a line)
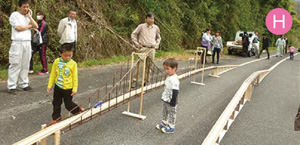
29, 89
12, 91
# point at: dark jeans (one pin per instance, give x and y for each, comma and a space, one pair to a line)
267, 49
245, 49
291, 55
63, 95
42, 51
216, 50
285, 49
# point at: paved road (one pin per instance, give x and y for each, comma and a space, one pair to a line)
269, 118
198, 110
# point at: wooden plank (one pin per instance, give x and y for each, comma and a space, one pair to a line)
142, 117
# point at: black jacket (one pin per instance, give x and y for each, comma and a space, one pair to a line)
44, 29
265, 43
247, 42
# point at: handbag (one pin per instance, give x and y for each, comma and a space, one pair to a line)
209, 53
37, 38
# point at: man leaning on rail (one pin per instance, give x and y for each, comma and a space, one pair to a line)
146, 37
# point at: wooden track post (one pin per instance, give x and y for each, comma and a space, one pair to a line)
57, 138
130, 79
142, 56
43, 141
201, 50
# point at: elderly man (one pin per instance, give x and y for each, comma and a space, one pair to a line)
146, 38
20, 50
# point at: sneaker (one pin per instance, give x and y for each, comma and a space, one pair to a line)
29, 89
168, 130
31, 71
82, 109
41, 73
54, 121
160, 126
12, 91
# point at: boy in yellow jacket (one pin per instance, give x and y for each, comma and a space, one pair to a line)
64, 75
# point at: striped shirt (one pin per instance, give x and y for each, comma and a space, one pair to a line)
60, 79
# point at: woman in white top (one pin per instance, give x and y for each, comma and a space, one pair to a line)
206, 40
217, 46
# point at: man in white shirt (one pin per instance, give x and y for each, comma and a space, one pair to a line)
20, 50
280, 43
67, 29
255, 44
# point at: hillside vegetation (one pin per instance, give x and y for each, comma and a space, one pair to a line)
101, 23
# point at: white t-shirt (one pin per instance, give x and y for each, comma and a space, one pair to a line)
171, 83
17, 19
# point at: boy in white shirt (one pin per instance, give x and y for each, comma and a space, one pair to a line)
169, 97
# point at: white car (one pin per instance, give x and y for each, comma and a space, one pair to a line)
236, 45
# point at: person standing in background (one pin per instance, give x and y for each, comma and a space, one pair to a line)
255, 43
246, 43
43, 29
146, 37
206, 40
67, 29
20, 50
265, 46
217, 46
286, 44
280, 43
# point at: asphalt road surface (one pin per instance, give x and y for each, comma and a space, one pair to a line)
199, 107
269, 118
